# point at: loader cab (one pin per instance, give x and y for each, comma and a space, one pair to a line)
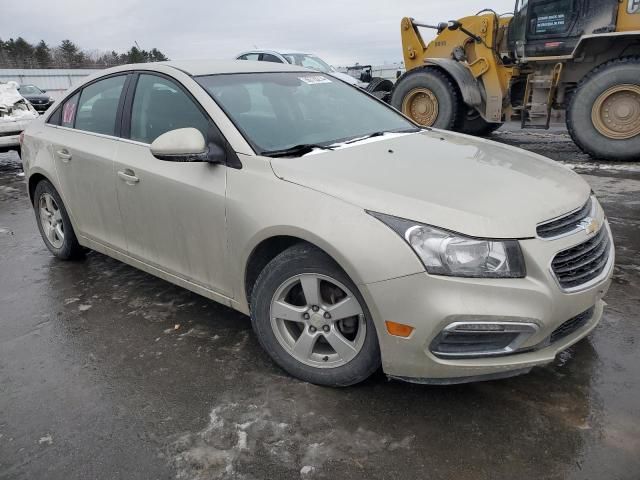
550, 28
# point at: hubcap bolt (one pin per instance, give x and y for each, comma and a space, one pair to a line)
312, 329
305, 316
315, 308
327, 315
326, 328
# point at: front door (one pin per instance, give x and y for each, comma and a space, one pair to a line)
173, 212
83, 146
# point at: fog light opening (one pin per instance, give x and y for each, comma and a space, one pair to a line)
481, 339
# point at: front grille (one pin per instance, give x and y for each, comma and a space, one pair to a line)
565, 224
571, 325
580, 264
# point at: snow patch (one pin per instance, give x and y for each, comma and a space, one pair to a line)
242, 432
84, 308
46, 440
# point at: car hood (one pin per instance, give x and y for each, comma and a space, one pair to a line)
469, 185
38, 97
344, 77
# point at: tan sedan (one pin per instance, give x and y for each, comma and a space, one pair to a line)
353, 238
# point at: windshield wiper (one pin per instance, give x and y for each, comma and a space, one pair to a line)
296, 150
380, 134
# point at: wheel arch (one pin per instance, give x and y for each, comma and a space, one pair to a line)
461, 76
270, 245
33, 182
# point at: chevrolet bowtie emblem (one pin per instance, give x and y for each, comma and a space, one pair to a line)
590, 225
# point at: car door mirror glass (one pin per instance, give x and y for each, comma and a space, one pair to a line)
185, 145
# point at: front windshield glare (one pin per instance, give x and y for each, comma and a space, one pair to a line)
277, 111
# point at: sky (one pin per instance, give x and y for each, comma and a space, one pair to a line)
341, 32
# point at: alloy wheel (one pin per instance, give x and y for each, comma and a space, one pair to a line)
318, 320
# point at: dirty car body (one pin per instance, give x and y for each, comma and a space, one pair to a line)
353, 239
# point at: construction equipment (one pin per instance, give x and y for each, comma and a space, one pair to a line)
582, 56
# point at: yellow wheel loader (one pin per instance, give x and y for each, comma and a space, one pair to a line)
582, 56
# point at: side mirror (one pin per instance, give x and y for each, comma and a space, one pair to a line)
186, 145
43, 90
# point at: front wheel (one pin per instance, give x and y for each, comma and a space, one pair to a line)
312, 321
472, 123
428, 97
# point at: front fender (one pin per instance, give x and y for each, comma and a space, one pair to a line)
468, 85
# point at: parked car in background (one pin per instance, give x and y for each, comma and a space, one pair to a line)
15, 114
353, 237
306, 60
36, 96
379, 87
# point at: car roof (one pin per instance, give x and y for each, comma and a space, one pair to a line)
213, 67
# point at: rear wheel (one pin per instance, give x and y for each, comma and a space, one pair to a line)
380, 88
53, 222
311, 319
604, 114
428, 97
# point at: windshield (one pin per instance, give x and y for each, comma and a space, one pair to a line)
29, 90
308, 61
277, 111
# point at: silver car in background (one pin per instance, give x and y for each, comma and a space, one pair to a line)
353, 238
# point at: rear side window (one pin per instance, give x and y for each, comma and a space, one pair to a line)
69, 109
159, 106
98, 106
250, 56
267, 57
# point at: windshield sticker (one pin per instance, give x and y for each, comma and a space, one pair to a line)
314, 79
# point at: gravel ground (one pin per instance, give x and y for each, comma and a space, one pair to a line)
107, 372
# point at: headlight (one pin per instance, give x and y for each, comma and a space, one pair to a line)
448, 253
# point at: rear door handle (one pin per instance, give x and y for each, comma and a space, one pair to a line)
129, 176
64, 155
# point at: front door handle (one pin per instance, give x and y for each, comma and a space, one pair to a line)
64, 155
129, 176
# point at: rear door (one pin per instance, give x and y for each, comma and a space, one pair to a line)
173, 212
83, 145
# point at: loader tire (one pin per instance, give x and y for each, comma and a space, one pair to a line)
604, 114
429, 97
472, 123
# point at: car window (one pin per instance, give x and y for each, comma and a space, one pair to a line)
249, 56
160, 105
98, 106
29, 90
69, 108
267, 57
308, 61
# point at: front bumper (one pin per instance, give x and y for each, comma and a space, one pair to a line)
430, 303
41, 107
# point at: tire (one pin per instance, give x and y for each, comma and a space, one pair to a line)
586, 105
427, 80
379, 84
285, 273
472, 123
69, 248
